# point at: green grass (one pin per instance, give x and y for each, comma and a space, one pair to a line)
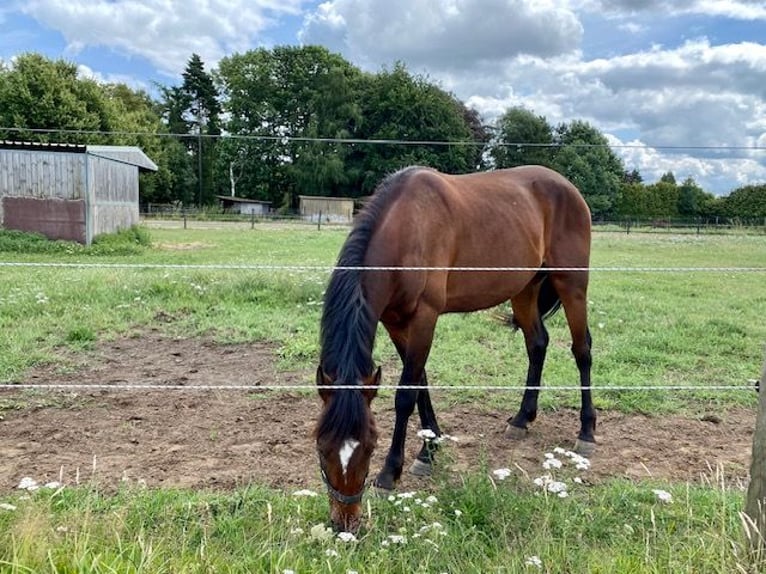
478, 525
648, 328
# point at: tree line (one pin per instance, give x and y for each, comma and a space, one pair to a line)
273, 124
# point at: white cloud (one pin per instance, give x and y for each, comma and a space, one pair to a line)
165, 32
452, 34
84, 71
735, 9
723, 173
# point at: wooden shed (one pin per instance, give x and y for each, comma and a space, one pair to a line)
243, 205
327, 209
67, 191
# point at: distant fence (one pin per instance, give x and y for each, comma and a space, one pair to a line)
688, 226
700, 226
185, 214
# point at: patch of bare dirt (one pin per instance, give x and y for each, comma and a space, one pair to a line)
222, 439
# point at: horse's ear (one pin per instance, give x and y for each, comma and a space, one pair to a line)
322, 382
374, 382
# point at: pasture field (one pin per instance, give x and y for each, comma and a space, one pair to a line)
649, 328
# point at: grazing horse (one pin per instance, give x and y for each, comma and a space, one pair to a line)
437, 225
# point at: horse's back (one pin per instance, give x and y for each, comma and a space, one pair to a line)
527, 217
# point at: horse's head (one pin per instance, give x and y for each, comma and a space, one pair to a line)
346, 438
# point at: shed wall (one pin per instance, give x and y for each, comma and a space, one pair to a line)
41, 175
331, 209
112, 196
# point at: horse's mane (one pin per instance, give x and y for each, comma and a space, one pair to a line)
348, 325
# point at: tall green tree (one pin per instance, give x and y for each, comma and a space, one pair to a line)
42, 94
584, 156
691, 198
522, 138
192, 111
402, 107
279, 102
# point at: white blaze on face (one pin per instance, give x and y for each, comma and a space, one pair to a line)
346, 452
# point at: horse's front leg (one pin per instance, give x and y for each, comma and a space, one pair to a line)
413, 345
392, 469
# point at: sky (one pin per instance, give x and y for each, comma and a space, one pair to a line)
674, 85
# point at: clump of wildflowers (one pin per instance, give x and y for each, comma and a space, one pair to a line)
557, 461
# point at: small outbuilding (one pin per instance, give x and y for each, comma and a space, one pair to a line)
68, 191
327, 209
243, 206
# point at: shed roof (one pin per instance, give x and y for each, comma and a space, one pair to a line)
234, 199
128, 154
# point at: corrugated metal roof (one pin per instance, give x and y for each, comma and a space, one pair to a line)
128, 154
47, 146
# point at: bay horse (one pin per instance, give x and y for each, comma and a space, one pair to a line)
527, 217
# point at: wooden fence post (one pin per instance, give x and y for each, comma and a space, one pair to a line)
755, 505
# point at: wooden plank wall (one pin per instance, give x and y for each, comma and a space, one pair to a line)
41, 174
113, 195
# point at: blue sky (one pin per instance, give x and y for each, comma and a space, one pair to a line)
649, 74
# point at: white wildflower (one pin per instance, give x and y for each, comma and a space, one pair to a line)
304, 492
431, 499
426, 434
406, 494
54, 484
27, 483
458, 513
331, 553
397, 539
445, 436
502, 473
346, 537
550, 463
6, 506
321, 532
663, 496
533, 561
556, 487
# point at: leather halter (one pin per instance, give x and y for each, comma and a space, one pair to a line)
339, 496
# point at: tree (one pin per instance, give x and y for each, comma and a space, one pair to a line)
691, 198
584, 156
193, 109
402, 107
748, 202
42, 94
516, 127
280, 102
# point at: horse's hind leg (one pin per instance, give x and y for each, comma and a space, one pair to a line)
421, 466
527, 317
572, 289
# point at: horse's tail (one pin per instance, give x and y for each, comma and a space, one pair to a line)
548, 301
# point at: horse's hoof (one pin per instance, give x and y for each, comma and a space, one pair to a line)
515, 433
584, 448
420, 468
